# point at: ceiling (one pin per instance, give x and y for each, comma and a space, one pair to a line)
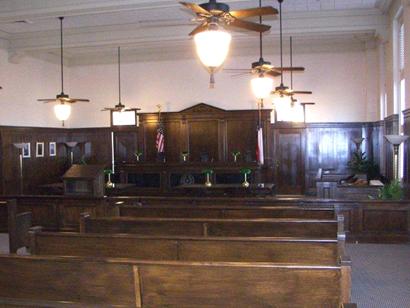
148, 27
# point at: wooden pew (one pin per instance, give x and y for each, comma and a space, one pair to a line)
18, 227
279, 227
226, 212
172, 248
90, 282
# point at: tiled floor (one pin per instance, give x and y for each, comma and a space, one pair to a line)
380, 274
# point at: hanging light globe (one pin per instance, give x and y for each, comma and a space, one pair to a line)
283, 108
297, 111
262, 86
62, 111
212, 46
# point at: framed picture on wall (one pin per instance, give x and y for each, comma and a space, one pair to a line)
27, 150
39, 149
52, 149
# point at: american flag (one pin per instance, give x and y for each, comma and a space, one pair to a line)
160, 142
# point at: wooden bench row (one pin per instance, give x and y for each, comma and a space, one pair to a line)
225, 212
279, 227
90, 282
180, 248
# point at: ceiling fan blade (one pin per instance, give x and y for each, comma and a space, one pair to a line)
74, 100
245, 13
308, 103
46, 100
301, 92
237, 70
106, 109
248, 25
273, 73
199, 29
288, 69
196, 8
240, 74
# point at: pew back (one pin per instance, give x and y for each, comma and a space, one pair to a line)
130, 283
280, 250
279, 227
226, 212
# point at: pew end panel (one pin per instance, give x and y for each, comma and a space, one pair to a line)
18, 227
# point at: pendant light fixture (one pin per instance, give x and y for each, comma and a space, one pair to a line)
280, 98
262, 85
212, 47
62, 109
122, 115
211, 40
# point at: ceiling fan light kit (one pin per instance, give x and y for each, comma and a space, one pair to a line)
262, 86
211, 41
62, 109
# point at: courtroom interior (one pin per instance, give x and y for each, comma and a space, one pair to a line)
230, 153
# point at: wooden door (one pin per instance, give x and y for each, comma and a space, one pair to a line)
289, 161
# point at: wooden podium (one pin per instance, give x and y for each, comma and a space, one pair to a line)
84, 180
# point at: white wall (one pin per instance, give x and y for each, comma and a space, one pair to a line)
23, 84
341, 82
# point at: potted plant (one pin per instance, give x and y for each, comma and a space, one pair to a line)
391, 191
138, 155
235, 155
363, 168
245, 172
108, 173
208, 173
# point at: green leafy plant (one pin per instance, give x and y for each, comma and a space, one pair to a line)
391, 191
359, 163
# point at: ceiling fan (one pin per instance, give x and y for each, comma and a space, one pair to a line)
62, 98
282, 90
119, 107
262, 67
214, 12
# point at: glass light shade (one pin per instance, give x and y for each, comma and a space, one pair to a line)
62, 111
396, 139
297, 112
124, 118
212, 47
283, 108
262, 87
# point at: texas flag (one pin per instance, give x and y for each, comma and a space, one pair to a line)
259, 147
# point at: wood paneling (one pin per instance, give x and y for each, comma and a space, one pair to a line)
203, 139
202, 128
241, 136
